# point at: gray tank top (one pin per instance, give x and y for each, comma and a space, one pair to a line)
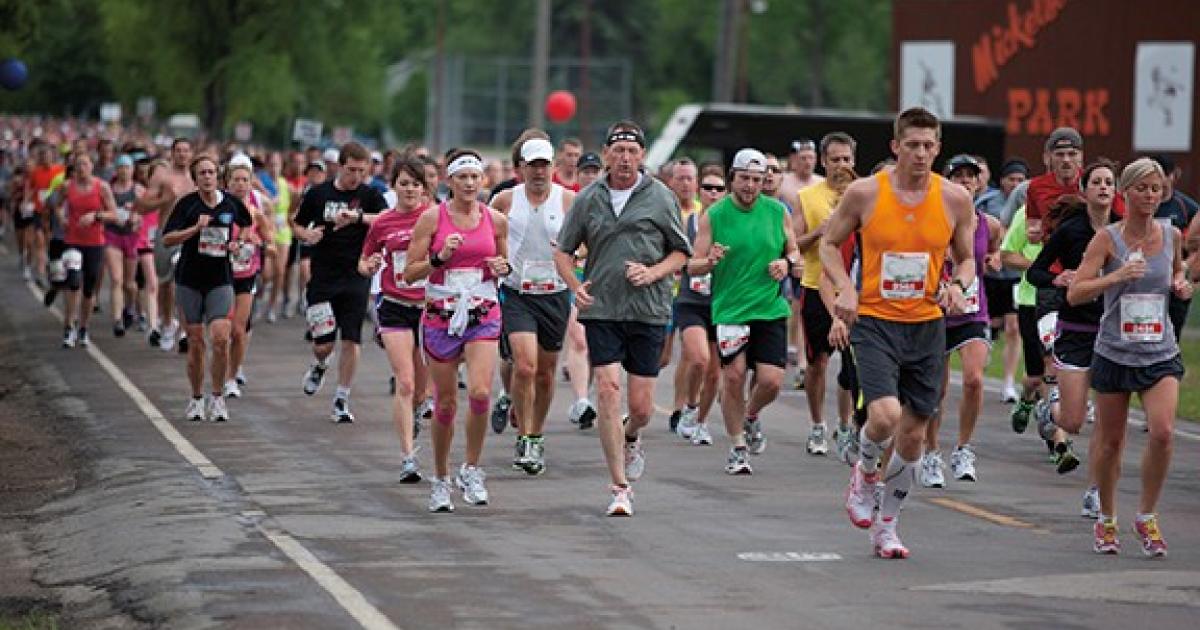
1135, 330
697, 290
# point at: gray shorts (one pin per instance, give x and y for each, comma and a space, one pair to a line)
902, 361
164, 265
202, 307
545, 315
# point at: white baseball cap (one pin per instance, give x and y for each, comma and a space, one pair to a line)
750, 160
376, 156
241, 159
537, 149
331, 155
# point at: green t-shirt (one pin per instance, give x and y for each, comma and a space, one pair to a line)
743, 290
1016, 241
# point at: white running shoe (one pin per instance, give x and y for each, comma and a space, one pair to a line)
738, 462
582, 413
886, 541
845, 444
470, 482
216, 409
1091, 503
70, 338
622, 502
687, 422
702, 437
240, 377
314, 377
1010, 394
439, 496
962, 463
410, 468
231, 389
341, 412
166, 342
860, 497
755, 440
195, 410
817, 443
635, 460
931, 475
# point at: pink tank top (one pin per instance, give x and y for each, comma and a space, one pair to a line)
478, 245
247, 260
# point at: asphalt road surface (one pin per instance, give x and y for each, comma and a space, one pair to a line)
281, 519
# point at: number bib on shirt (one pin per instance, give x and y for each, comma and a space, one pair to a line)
971, 297
701, 284
214, 241
903, 275
731, 338
332, 208
123, 215
459, 279
320, 319
1048, 329
539, 277
1142, 317
243, 257
399, 261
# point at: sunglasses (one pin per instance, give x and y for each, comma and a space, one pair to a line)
712, 187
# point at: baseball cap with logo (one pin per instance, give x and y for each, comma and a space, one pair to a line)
961, 161
750, 160
589, 160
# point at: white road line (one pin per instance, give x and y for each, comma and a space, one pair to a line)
350, 599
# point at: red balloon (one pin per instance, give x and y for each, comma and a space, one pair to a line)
560, 106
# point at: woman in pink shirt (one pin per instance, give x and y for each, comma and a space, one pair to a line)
246, 258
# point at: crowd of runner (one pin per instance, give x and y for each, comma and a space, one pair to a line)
457, 265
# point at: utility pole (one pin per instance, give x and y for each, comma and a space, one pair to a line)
439, 72
541, 61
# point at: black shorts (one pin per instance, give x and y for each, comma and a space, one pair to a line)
999, 293
21, 222
1109, 377
245, 285
847, 379
816, 321
1177, 311
1073, 350
348, 300
900, 360
767, 344
303, 252
394, 316
635, 345
545, 315
689, 314
959, 336
1031, 342
88, 276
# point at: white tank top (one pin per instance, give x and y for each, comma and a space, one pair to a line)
532, 239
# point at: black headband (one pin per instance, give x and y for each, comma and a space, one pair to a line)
625, 135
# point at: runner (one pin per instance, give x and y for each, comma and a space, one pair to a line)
121, 234
906, 218
461, 247
1022, 243
630, 224
147, 276
314, 175
1000, 285
534, 300
200, 226
814, 204
590, 168
246, 257
566, 169
32, 225
282, 262
1181, 210
89, 204
386, 248
336, 215
967, 334
747, 242
575, 361
167, 185
681, 179
1142, 263
698, 373
802, 164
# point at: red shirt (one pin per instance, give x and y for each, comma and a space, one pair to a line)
40, 178
80, 203
391, 234
571, 187
1045, 193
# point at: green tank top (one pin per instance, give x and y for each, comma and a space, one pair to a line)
283, 231
742, 289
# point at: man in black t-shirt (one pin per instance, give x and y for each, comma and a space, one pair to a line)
333, 220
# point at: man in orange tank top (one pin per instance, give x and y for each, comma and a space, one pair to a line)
906, 216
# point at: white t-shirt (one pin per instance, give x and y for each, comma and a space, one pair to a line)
621, 197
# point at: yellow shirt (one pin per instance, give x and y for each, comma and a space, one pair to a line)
818, 202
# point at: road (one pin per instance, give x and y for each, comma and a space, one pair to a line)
280, 518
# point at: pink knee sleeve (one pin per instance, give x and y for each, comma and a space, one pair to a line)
479, 405
444, 415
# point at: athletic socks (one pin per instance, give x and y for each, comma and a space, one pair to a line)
898, 481
869, 452
342, 393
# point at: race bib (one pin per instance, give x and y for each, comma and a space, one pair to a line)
123, 215
459, 279
539, 277
731, 338
701, 284
243, 257
320, 319
332, 208
27, 210
903, 275
1142, 317
72, 259
1048, 329
58, 271
1016, 294
399, 261
214, 241
971, 297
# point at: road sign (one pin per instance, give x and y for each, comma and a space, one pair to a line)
110, 112
307, 132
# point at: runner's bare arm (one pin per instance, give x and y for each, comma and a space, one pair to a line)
160, 195
703, 259
806, 237
499, 263
108, 204
1180, 285
418, 266
962, 242
791, 252
502, 202
845, 220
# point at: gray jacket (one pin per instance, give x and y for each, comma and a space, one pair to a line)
648, 229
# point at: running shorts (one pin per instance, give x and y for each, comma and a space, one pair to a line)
900, 360
816, 321
635, 345
688, 314
961, 335
545, 315
767, 344
348, 299
204, 307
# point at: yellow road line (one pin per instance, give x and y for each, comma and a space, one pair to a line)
978, 512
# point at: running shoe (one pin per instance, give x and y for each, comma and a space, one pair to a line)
1105, 533
462, 376
341, 412
118, 329
271, 316
886, 540
635, 460
314, 377
1147, 530
1020, 415
521, 455
860, 497
845, 443
582, 413
470, 481
141, 323
755, 440
1010, 395
182, 345
166, 341
195, 410
410, 468
439, 496
70, 338
154, 338
962, 463
931, 475
687, 422
1065, 459
216, 409
240, 377
817, 443
84, 339
500, 411
673, 421
535, 456
702, 437
48, 297
622, 502
231, 389
798, 380
738, 463
1091, 503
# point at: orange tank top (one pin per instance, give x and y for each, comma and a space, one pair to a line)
903, 248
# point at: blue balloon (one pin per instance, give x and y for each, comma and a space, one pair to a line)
13, 74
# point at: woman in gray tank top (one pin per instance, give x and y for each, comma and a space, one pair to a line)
1142, 265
